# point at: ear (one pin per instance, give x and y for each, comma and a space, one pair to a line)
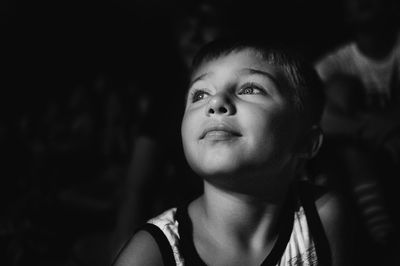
311, 143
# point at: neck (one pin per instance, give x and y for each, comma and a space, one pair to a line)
243, 220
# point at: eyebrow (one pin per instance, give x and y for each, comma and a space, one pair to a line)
253, 71
202, 76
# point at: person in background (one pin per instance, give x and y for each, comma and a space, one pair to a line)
361, 119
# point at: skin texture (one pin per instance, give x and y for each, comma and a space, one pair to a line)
141, 250
239, 134
238, 98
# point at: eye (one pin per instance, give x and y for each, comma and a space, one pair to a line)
198, 95
251, 89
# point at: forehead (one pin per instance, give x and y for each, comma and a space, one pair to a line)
234, 62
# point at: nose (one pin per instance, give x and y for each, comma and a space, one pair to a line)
220, 104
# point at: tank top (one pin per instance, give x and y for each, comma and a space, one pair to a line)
301, 240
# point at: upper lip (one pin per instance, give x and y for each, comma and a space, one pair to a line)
220, 127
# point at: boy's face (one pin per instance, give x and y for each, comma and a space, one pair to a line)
237, 121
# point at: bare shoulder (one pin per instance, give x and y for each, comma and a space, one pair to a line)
337, 220
331, 206
141, 250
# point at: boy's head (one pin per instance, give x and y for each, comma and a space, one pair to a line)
249, 111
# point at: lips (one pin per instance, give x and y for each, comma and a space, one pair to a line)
219, 131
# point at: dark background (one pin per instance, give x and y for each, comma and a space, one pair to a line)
48, 42
74, 74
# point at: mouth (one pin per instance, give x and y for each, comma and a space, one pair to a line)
220, 132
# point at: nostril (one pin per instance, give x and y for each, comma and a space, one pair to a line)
219, 110
223, 109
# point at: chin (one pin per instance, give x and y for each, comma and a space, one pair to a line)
220, 171
216, 168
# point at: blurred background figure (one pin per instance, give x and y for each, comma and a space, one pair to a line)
362, 120
197, 24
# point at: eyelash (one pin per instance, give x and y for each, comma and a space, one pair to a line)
253, 87
194, 96
199, 94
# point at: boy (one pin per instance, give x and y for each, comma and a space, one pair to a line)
249, 125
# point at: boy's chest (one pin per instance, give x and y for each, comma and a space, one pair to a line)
220, 254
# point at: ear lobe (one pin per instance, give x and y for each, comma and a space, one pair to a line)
313, 142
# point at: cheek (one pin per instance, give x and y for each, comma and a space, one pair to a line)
260, 123
285, 133
185, 129
189, 130
270, 130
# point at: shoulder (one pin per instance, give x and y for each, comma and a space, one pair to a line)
336, 60
141, 250
153, 243
333, 211
337, 223
329, 203
331, 206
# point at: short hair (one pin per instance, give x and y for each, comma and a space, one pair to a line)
305, 86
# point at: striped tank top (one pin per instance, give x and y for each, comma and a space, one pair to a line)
301, 240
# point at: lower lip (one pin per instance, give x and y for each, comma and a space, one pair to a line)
219, 135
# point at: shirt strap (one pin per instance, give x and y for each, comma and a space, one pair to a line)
162, 242
307, 197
